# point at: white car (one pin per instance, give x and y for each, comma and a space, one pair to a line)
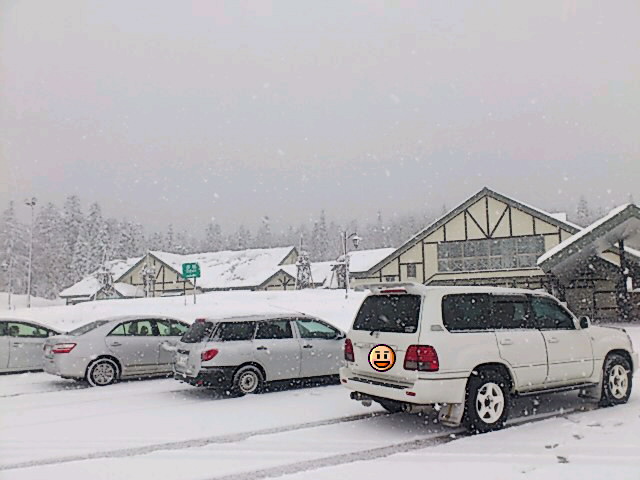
472, 349
21, 344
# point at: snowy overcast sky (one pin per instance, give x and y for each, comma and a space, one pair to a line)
177, 111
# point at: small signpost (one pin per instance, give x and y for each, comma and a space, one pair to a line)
191, 270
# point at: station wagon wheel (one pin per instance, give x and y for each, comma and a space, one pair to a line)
247, 379
616, 380
487, 401
102, 372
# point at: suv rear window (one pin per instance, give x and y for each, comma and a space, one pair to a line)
389, 313
469, 311
199, 331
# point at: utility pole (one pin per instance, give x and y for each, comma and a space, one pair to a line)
30, 203
356, 242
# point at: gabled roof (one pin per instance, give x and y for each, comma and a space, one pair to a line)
621, 223
230, 268
436, 224
361, 261
89, 286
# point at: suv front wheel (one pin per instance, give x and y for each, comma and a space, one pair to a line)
616, 380
487, 401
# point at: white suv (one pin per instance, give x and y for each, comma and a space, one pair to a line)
474, 348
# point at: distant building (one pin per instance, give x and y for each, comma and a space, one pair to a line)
92, 288
160, 274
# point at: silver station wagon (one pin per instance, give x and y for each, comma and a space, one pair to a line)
106, 350
240, 354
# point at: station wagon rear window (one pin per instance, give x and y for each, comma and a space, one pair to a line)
389, 313
198, 332
234, 331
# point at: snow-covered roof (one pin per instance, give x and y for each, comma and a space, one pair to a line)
129, 291
582, 233
90, 285
608, 225
319, 271
361, 261
230, 268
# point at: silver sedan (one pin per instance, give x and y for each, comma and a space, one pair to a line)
106, 350
21, 344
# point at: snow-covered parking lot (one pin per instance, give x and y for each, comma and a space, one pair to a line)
162, 429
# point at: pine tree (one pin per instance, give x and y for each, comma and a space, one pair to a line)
264, 238
242, 239
49, 261
72, 221
583, 213
212, 238
13, 252
320, 249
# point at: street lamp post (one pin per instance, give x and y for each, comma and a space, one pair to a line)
30, 203
356, 242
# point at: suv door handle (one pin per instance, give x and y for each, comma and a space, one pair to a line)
262, 348
506, 341
552, 340
116, 344
307, 346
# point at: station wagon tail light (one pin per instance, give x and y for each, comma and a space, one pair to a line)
63, 347
208, 354
422, 358
348, 351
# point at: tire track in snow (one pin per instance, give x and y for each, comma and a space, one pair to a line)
380, 452
193, 443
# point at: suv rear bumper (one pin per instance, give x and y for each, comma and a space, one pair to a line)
422, 392
214, 377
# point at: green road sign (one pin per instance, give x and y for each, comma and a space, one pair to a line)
190, 270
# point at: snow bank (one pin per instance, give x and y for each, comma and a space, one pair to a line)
329, 305
20, 301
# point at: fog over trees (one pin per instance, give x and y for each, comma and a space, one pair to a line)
72, 241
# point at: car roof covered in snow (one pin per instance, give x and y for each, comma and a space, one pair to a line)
419, 289
258, 317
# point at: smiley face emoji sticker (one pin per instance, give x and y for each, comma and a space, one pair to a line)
382, 358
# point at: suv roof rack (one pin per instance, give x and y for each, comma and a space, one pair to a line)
375, 287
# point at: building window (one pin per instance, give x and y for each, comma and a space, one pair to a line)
411, 270
490, 254
390, 278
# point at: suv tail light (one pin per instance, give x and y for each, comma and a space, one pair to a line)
208, 354
63, 347
422, 358
348, 351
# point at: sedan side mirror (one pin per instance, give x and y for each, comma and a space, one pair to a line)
584, 322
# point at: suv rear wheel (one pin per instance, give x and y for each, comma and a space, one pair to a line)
487, 401
247, 379
616, 380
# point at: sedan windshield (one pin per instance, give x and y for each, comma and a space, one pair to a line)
87, 328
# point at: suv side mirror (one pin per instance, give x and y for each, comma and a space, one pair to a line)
584, 322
